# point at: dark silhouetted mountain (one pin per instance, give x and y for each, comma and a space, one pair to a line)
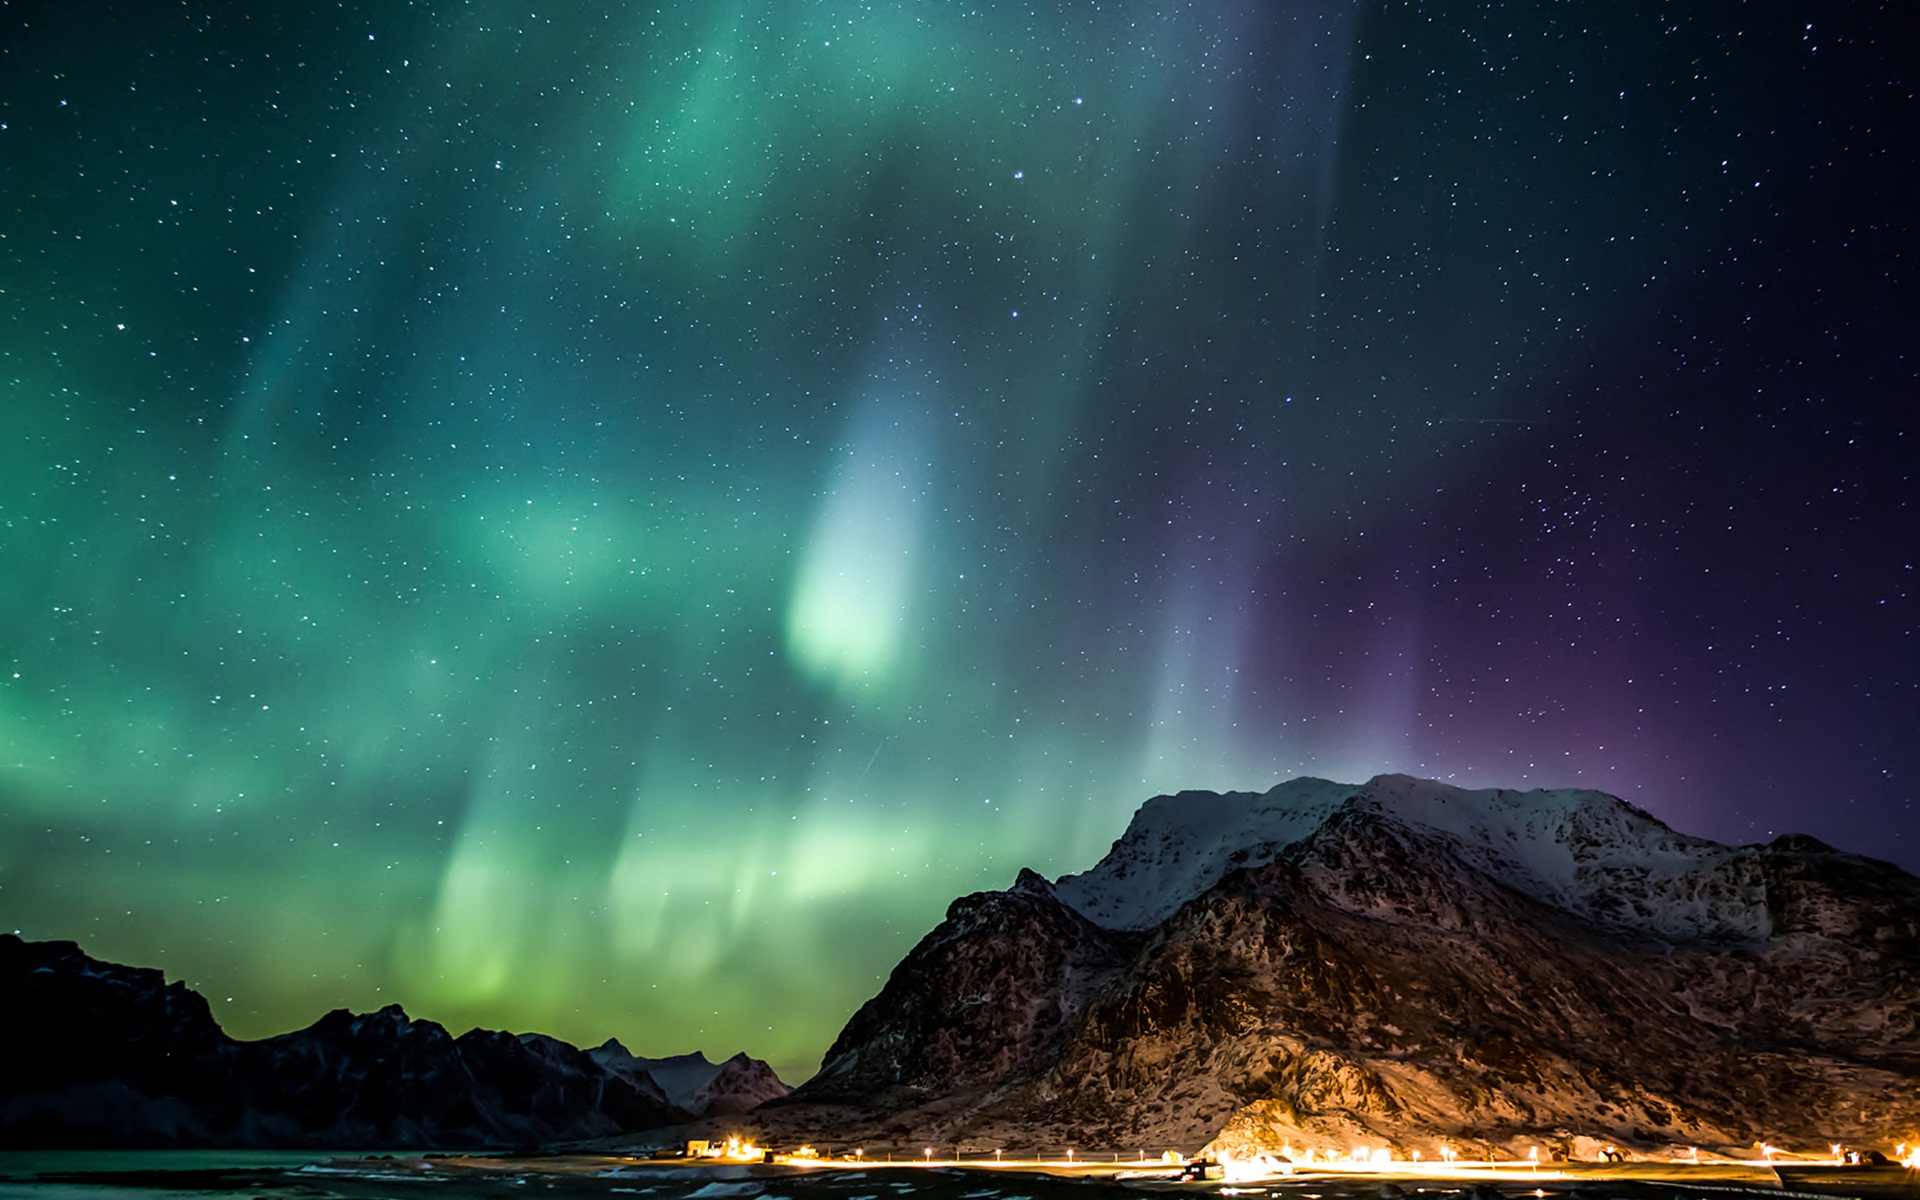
104, 1055
101, 1054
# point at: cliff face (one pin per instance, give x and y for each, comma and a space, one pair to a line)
104, 1055
987, 998
1411, 965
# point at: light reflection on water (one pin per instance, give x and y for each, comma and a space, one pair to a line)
332, 1175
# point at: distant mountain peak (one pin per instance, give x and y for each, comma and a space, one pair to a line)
1030, 880
694, 1083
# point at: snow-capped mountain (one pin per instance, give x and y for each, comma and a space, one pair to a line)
691, 1083
1404, 963
1587, 852
99, 1054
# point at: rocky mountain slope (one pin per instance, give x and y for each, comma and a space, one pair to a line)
100, 1054
1402, 964
690, 1082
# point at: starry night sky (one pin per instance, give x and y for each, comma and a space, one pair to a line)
605, 518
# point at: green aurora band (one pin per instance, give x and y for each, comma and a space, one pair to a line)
605, 519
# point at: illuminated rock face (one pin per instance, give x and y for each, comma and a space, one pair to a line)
1406, 964
990, 995
104, 1055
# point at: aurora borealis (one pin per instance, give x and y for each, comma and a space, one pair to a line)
605, 518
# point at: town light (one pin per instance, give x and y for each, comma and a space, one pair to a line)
736, 1147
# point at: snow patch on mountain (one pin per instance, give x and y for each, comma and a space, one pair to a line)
1177, 847
1592, 854
1583, 851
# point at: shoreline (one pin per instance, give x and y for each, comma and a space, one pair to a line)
343, 1173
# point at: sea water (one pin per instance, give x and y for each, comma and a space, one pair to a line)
333, 1175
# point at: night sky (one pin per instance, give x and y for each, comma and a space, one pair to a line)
605, 518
